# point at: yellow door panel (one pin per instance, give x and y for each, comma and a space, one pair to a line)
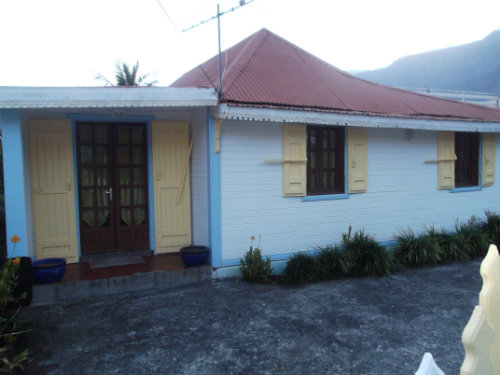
489, 145
357, 160
446, 160
52, 189
294, 160
172, 196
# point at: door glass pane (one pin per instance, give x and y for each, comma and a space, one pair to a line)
124, 176
124, 155
101, 134
86, 154
85, 134
103, 218
125, 216
102, 197
123, 135
87, 197
101, 155
139, 195
137, 135
87, 176
139, 215
88, 220
102, 176
138, 155
138, 176
125, 196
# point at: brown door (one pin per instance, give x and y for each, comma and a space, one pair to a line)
112, 175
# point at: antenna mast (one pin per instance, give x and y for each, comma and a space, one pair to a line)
219, 13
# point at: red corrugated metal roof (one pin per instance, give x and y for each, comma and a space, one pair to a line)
265, 70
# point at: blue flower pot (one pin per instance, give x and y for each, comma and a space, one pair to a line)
194, 256
50, 270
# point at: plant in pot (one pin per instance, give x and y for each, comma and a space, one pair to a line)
23, 289
13, 350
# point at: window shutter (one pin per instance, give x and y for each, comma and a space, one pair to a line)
488, 158
357, 155
446, 160
52, 189
294, 160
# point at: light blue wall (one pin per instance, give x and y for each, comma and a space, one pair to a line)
14, 182
402, 191
214, 185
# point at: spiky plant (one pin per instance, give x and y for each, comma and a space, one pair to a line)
472, 238
451, 249
333, 262
126, 76
415, 250
491, 228
301, 268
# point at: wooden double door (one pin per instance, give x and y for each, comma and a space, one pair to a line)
112, 188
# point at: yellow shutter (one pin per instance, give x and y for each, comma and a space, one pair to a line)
357, 155
172, 196
488, 158
446, 160
52, 189
294, 160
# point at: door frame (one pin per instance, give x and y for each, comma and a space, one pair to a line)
108, 118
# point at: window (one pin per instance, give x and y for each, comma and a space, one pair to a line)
467, 163
325, 160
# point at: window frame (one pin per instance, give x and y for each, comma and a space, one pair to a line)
467, 168
338, 186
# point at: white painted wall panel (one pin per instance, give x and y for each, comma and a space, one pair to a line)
199, 178
402, 191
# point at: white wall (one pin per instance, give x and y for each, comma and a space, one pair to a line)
402, 191
199, 178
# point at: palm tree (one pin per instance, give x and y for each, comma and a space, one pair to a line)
124, 76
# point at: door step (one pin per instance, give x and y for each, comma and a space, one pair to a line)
51, 293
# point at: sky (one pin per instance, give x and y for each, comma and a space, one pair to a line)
68, 42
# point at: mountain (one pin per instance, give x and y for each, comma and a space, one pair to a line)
468, 67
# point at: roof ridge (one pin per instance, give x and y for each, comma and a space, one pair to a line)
246, 54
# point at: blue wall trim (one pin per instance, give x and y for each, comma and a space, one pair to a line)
109, 118
14, 182
465, 189
326, 197
214, 195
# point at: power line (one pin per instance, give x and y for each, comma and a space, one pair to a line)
164, 11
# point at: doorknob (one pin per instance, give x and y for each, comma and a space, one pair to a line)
110, 192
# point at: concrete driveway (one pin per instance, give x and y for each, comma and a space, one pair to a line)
350, 326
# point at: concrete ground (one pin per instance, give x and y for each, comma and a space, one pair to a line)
350, 326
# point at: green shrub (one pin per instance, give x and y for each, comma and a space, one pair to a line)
301, 268
415, 250
472, 238
368, 257
450, 247
333, 263
254, 267
491, 228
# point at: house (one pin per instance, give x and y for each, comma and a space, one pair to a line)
293, 150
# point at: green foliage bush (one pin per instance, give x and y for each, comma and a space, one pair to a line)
415, 250
333, 262
301, 268
368, 257
254, 267
472, 238
491, 228
450, 248
10, 327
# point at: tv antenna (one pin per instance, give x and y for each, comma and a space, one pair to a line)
218, 15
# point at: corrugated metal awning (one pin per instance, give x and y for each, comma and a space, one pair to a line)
266, 115
104, 97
